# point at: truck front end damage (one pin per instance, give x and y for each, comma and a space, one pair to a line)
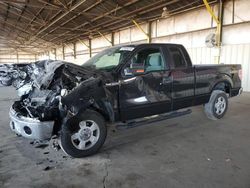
49, 90
31, 128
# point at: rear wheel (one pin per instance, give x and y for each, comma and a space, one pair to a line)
217, 105
83, 135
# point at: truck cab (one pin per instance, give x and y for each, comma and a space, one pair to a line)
157, 78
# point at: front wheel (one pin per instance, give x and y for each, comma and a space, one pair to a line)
83, 135
217, 106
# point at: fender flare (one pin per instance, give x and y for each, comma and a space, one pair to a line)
223, 79
103, 106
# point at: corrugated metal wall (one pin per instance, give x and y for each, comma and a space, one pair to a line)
230, 54
14, 58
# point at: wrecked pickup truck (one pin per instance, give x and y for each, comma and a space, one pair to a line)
117, 85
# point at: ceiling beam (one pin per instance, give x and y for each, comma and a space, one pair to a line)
15, 12
145, 9
101, 16
54, 7
59, 18
72, 18
19, 17
6, 15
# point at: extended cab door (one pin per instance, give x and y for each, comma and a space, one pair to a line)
147, 93
183, 77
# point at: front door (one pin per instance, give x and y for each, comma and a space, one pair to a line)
149, 93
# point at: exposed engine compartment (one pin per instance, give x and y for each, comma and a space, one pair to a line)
42, 85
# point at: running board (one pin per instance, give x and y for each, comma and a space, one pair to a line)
151, 119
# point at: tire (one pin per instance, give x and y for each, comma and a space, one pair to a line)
83, 135
217, 106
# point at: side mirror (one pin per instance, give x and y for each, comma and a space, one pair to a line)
138, 69
134, 70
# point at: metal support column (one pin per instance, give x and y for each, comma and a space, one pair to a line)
103, 36
221, 18
147, 34
74, 50
90, 48
233, 11
219, 23
87, 45
63, 52
55, 53
112, 38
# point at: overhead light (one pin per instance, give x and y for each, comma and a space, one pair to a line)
165, 13
33, 28
56, 2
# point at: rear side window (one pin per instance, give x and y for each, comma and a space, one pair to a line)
177, 57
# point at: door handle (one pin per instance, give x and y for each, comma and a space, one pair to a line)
166, 80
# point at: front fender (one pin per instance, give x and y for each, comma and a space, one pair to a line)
89, 94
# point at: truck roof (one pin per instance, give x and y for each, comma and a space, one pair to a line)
148, 44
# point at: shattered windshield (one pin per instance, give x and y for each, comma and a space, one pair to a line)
109, 58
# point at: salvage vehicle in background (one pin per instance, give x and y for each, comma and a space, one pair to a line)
119, 84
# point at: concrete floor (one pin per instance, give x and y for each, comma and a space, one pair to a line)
189, 151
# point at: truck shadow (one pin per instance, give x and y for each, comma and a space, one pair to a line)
162, 131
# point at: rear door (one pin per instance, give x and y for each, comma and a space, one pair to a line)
183, 77
148, 93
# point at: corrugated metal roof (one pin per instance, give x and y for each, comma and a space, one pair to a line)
27, 24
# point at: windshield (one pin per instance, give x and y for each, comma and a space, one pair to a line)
109, 58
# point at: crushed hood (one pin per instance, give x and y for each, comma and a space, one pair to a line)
39, 86
41, 73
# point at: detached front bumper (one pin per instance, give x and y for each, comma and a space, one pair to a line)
30, 127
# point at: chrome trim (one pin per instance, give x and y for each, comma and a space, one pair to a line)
40, 130
129, 80
113, 84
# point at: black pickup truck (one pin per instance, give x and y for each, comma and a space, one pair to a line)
118, 84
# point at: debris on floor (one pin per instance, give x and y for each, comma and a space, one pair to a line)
47, 168
39, 144
55, 145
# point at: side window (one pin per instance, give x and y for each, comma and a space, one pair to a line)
177, 57
151, 59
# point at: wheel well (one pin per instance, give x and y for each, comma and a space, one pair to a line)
223, 86
101, 112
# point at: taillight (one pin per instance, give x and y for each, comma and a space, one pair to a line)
240, 74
